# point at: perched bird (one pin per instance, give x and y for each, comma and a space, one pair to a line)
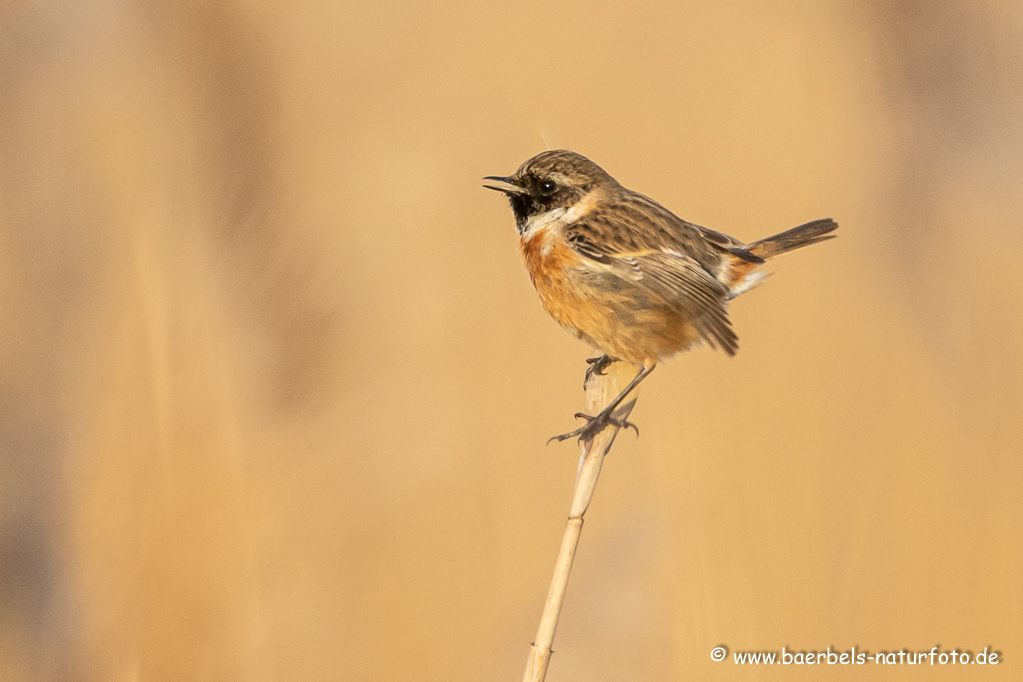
626, 275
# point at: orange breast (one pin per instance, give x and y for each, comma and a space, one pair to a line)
548, 261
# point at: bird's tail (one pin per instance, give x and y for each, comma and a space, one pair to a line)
804, 235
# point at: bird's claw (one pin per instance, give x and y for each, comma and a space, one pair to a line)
597, 367
595, 425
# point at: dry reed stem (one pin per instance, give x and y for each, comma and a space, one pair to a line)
599, 392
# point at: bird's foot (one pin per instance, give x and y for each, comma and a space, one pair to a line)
595, 425
597, 366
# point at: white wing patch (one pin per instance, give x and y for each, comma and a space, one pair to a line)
637, 272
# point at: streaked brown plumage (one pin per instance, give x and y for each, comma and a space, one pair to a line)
625, 274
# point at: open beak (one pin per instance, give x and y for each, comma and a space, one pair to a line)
504, 185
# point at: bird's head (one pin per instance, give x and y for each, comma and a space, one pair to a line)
550, 180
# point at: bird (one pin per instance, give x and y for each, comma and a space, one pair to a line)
626, 275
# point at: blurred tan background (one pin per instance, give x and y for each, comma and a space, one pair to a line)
274, 385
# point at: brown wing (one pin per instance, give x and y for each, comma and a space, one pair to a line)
644, 223
673, 276
700, 297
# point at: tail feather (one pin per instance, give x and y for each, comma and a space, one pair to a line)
797, 237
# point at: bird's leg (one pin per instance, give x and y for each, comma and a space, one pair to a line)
595, 425
597, 366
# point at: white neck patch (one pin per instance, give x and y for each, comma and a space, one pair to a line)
541, 221
562, 216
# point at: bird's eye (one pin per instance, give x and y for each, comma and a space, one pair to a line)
547, 187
